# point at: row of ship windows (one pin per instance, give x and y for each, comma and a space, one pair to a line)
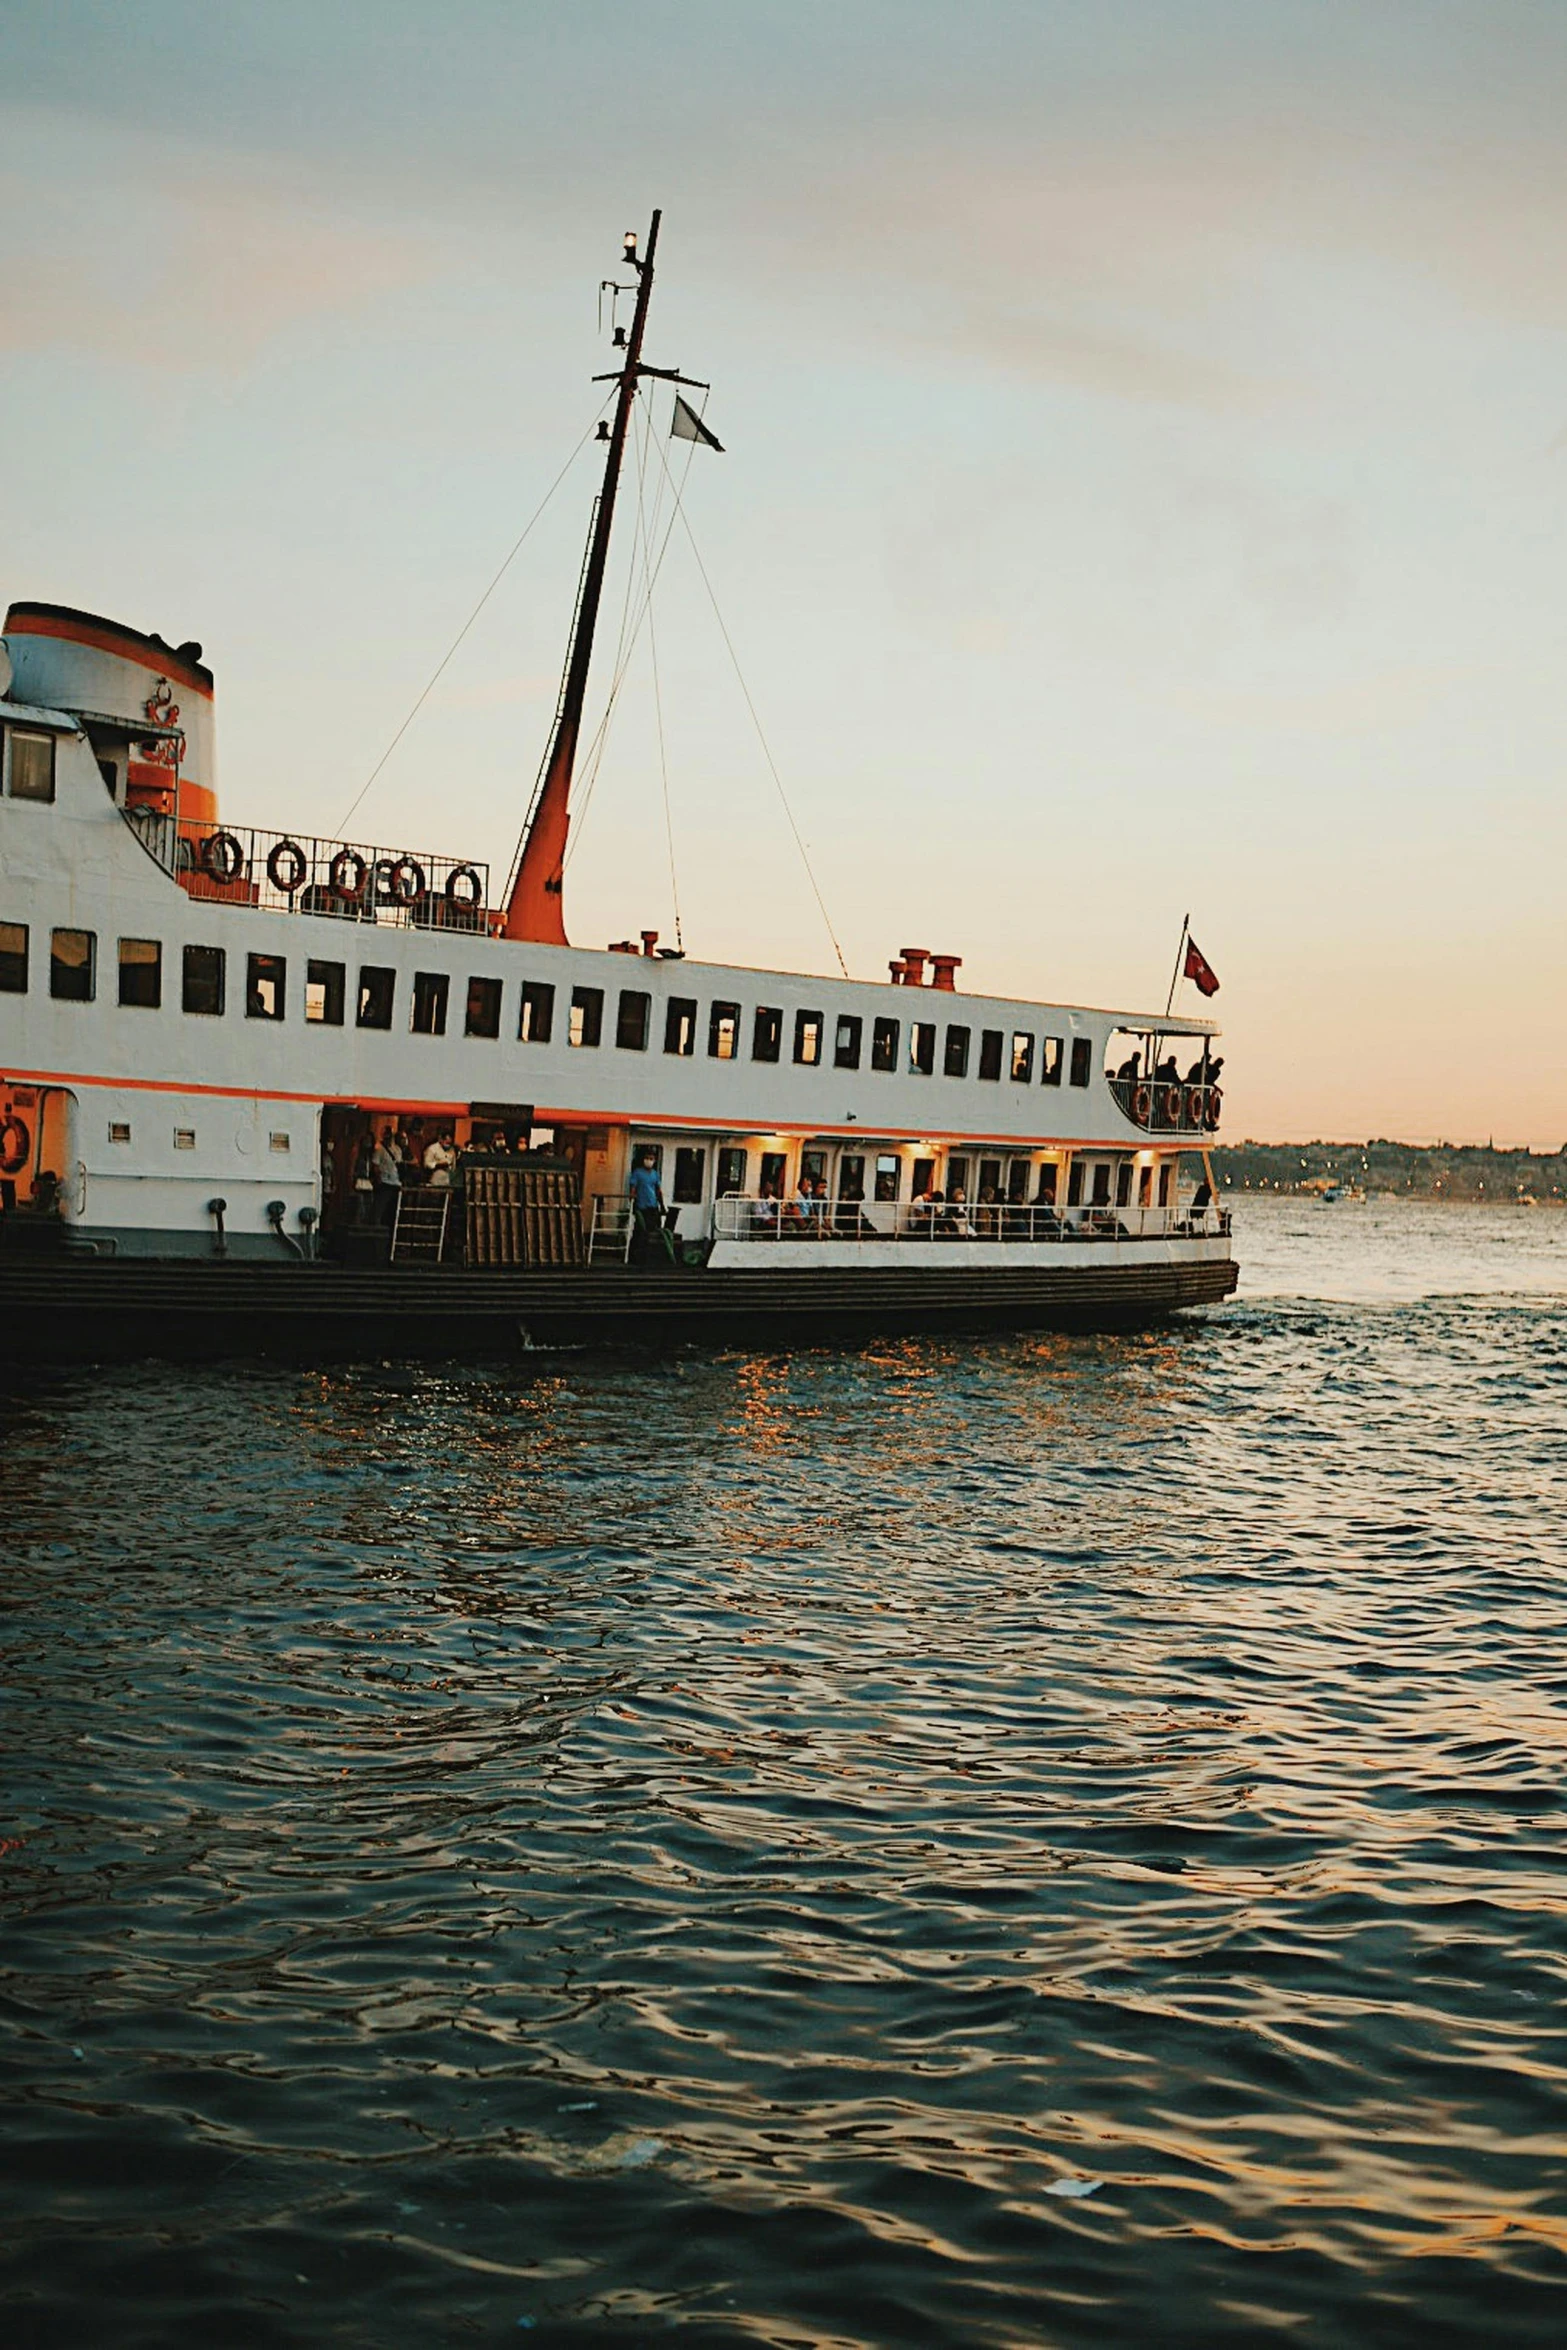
1019, 1182
73, 978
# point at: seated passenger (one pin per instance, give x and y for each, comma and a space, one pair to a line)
764, 1215
988, 1217
955, 1223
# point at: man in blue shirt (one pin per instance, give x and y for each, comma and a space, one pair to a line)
647, 1205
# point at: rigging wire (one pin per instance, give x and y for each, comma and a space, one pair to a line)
472, 617
772, 763
663, 760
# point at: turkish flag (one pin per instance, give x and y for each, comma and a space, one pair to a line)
1199, 969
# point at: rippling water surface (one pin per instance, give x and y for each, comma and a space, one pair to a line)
732, 1847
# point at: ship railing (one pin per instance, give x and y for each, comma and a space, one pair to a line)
1161, 1105
744, 1216
301, 873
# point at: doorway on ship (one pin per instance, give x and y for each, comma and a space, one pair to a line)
41, 1172
347, 1138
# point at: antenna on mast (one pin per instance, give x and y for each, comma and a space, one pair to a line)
534, 908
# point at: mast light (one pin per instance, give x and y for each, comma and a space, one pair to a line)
631, 246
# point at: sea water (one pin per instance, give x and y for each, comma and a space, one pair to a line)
1040, 1841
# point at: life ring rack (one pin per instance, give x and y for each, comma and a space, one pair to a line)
16, 1144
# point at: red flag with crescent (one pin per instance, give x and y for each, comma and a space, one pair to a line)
1199, 970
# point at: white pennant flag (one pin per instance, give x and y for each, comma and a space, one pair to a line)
686, 425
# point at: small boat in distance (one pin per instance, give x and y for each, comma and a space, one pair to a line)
259, 1089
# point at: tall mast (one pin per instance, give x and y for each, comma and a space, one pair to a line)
535, 907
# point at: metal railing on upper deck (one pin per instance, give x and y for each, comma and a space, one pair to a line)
1166, 1105
286, 872
745, 1216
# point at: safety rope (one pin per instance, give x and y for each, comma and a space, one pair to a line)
472, 617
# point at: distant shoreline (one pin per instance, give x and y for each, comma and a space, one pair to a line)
1407, 1170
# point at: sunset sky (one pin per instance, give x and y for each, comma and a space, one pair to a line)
1144, 488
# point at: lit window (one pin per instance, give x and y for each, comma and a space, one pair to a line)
482, 1013
430, 993
536, 1020
889, 1173
922, 1047
141, 972
73, 961
13, 958
807, 1038
723, 1032
324, 989
732, 1168
586, 1024
884, 1045
680, 1025
1022, 1057
201, 981
32, 765
265, 976
1050, 1060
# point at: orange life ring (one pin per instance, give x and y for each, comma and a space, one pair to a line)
1196, 1104
16, 1144
1215, 1096
346, 862
1142, 1104
288, 867
471, 896
405, 882
1171, 1105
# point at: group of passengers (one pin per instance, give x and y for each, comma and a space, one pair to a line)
395, 1161
1203, 1071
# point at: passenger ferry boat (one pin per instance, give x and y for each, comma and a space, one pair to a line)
206, 1027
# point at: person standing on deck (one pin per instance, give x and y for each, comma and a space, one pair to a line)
387, 1176
647, 1205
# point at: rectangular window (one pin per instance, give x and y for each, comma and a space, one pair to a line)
1165, 1173
13, 958
723, 1032
264, 982
813, 1168
846, 1041
428, 1014
690, 1166
1082, 1059
991, 1041
141, 972
884, 1045
202, 981
536, 1019
922, 1047
1046, 1194
851, 1176
989, 1178
1050, 1060
889, 1174
73, 966
632, 1018
277, 1140
808, 1038
733, 1166
680, 1025
377, 985
923, 1179
957, 1175
184, 1138
585, 1024
766, 1033
482, 1008
324, 989
956, 1061
1074, 1184
1123, 1184
1017, 1182
1101, 1197
32, 765
119, 1130
775, 1166
1022, 1057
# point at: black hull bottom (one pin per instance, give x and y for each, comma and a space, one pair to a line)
65, 1310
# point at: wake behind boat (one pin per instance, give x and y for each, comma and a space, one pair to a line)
260, 1089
